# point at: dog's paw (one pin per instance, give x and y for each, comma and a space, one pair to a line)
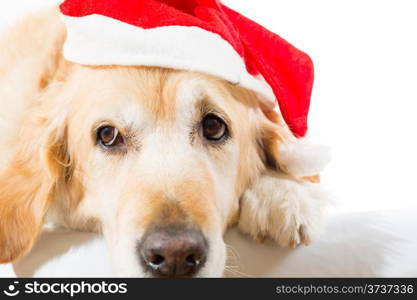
282, 209
294, 234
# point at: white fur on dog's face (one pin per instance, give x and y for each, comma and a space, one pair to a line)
167, 172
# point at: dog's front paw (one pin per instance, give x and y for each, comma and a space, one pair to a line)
282, 209
294, 233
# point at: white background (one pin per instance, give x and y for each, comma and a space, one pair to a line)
364, 102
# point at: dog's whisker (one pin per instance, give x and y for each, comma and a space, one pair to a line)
233, 267
232, 271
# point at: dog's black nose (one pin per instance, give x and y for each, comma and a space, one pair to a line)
173, 252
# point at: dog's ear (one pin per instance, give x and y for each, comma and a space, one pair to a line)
36, 167
28, 185
282, 150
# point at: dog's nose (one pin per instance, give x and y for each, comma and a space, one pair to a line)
173, 253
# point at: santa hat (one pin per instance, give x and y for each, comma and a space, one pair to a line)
197, 35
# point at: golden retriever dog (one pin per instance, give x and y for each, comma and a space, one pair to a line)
160, 161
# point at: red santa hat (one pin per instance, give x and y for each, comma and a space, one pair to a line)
197, 35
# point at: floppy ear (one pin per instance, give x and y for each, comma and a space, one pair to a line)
30, 180
296, 157
28, 186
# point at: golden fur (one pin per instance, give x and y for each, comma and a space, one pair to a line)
51, 168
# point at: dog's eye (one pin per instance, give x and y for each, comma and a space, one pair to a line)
214, 128
109, 137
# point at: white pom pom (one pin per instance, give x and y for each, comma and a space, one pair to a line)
300, 158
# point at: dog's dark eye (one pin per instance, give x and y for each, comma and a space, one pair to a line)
214, 128
109, 137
